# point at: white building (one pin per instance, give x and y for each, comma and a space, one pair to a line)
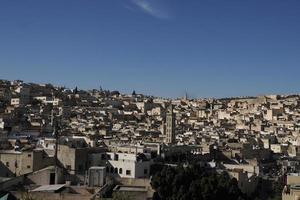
128, 165
15, 101
47, 100
1, 124
123, 165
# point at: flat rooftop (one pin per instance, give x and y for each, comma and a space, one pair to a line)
48, 188
123, 188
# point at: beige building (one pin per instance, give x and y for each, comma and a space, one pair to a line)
170, 126
25, 162
292, 190
73, 153
291, 193
73, 159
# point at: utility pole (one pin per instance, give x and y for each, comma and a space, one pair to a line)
56, 130
52, 118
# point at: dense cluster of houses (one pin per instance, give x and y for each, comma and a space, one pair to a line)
79, 143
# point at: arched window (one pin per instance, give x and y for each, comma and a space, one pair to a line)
116, 170
120, 171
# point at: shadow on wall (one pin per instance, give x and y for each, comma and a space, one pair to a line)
5, 171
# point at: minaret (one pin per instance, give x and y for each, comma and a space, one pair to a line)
170, 125
186, 96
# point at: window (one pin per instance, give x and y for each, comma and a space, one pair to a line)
120, 171
29, 155
116, 157
7, 164
145, 171
28, 166
111, 170
128, 172
68, 167
116, 170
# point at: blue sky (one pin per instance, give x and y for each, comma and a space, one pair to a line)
209, 48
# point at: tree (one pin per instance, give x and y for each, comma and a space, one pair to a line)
194, 183
36, 102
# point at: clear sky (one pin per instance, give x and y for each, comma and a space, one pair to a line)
209, 48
